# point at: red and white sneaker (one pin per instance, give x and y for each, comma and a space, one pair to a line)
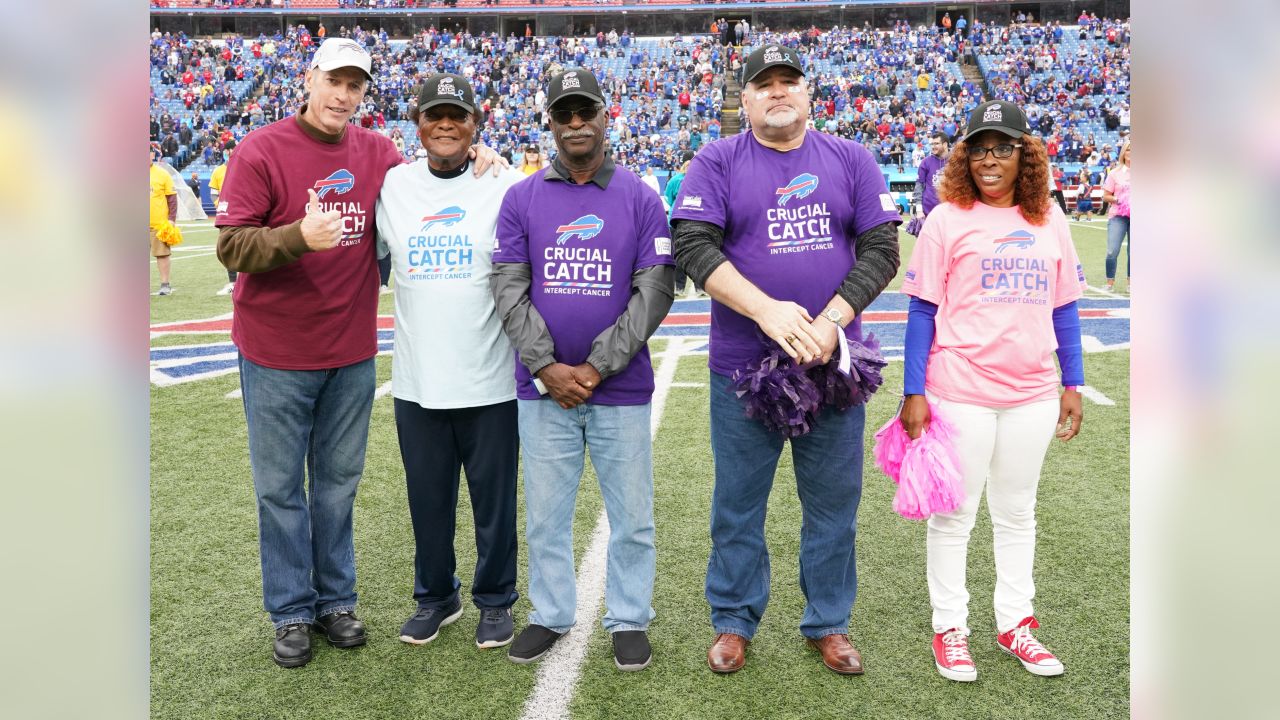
951, 655
1019, 643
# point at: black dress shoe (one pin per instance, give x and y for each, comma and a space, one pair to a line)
342, 629
293, 646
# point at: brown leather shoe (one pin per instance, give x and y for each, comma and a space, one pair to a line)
838, 654
728, 653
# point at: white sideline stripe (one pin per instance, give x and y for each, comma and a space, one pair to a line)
383, 389
1108, 293
191, 248
1097, 397
1090, 225
233, 395
187, 257
688, 385
559, 670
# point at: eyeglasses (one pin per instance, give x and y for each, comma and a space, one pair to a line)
588, 113
1003, 150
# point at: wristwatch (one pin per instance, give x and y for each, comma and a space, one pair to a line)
834, 315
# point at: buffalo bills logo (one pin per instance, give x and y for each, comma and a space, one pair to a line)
585, 227
340, 183
1020, 239
801, 187
447, 217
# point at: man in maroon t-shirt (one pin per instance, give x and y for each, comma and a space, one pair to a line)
298, 223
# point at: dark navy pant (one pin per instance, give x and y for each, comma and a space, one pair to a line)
435, 445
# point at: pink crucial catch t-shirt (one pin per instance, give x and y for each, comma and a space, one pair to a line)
996, 279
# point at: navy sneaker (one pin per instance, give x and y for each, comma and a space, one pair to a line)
533, 643
495, 629
631, 650
425, 624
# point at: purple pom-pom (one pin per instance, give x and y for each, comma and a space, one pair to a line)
788, 398
914, 227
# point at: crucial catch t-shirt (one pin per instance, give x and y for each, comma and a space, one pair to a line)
790, 220
582, 243
996, 280
450, 349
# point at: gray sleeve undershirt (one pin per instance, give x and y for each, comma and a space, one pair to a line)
509, 283
699, 252
652, 292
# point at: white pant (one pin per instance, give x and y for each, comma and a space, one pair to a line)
1001, 449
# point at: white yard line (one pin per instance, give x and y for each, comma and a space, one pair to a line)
233, 395
558, 673
383, 389
1098, 398
1108, 293
188, 257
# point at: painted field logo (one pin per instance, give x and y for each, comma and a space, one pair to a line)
1020, 239
340, 183
585, 227
447, 217
801, 187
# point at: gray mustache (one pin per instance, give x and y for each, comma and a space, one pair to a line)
570, 134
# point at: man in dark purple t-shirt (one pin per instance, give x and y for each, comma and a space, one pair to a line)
929, 176
582, 276
792, 233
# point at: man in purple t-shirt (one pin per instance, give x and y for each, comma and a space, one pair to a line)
582, 276
792, 233
929, 176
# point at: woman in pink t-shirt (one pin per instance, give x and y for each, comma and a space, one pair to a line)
994, 278
1115, 190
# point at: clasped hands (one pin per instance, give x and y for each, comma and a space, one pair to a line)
570, 385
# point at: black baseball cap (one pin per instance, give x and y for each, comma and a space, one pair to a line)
447, 88
763, 58
997, 115
574, 82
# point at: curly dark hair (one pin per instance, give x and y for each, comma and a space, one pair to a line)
1030, 193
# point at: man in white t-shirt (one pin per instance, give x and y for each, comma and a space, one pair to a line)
451, 374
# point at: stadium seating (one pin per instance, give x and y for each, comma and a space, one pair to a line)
841, 62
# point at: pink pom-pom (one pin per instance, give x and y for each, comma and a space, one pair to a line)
927, 469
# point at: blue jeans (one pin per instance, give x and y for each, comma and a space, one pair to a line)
552, 440
1117, 229
828, 468
320, 419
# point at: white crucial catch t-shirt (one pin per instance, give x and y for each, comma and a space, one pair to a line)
450, 350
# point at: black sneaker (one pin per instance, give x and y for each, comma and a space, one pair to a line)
533, 643
341, 629
425, 624
495, 629
631, 650
292, 646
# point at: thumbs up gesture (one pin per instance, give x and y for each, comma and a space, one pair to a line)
321, 230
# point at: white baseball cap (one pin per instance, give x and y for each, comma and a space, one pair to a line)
335, 53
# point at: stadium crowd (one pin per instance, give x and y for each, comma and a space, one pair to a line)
886, 88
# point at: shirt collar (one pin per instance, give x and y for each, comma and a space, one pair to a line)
557, 171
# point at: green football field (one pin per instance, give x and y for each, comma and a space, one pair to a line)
210, 639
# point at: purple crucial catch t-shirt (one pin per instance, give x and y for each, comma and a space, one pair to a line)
582, 243
930, 177
790, 220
